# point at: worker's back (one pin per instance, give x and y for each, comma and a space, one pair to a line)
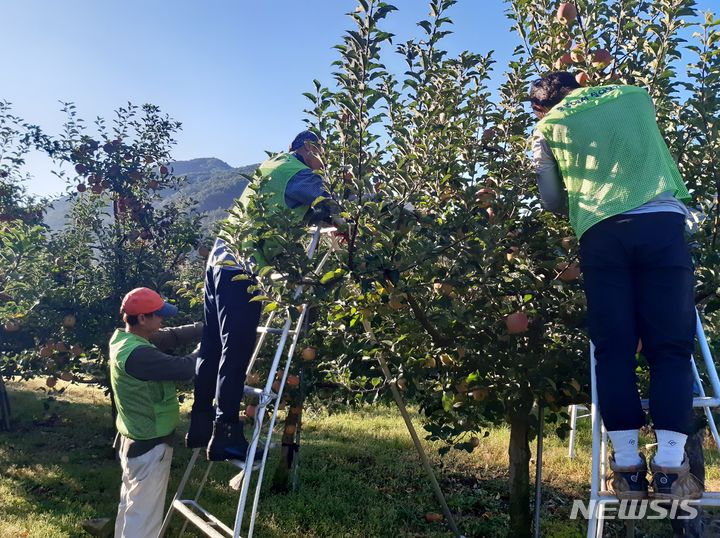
610, 152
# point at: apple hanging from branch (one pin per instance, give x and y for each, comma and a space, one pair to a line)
566, 13
601, 58
517, 323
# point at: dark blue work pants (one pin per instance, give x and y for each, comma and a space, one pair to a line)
231, 322
639, 283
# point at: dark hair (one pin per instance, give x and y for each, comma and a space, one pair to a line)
132, 319
549, 90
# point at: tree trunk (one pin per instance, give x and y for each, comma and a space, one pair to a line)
4, 407
282, 479
519, 452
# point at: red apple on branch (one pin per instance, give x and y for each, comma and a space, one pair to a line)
582, 78
565, 59
601, 58
569, 272
485, 197
490, 213
566, 13
293, 381
517, 323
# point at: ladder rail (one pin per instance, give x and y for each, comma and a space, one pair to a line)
199, 522
271, 425
707, 356
317, 233
593, 522
601, 496
260, 342
206, 474
708, 412
257, 432
178, 493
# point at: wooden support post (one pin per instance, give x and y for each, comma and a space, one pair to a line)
416, 440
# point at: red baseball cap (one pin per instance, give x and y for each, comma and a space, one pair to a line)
146, 301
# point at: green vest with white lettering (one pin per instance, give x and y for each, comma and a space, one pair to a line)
610, 153
145, 409
275, 175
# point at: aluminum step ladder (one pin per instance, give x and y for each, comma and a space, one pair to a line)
575, 410
191, 509
599, 493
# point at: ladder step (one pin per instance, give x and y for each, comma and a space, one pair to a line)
254, 391
240, 464
705, 401
273, 330
208, 525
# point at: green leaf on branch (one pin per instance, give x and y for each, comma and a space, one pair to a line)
332, 275
448, 400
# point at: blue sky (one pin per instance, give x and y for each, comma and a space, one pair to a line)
232, 71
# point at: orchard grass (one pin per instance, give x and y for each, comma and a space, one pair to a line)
359, 476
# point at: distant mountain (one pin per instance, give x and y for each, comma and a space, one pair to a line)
212, 183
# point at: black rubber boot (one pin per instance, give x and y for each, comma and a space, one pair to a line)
200, 430
228, 442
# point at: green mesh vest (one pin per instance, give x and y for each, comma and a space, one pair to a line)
146, 409
276, 173
610, 153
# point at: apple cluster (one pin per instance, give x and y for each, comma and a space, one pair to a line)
567, 14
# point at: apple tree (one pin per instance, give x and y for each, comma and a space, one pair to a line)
119, 234
470, 290
24, 256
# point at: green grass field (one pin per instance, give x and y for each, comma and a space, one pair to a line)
359, 476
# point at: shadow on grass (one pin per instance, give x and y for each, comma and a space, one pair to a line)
359, 477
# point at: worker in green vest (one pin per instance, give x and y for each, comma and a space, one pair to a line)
291, 182
142, 377
601, 159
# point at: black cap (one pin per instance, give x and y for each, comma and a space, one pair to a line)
300, 139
